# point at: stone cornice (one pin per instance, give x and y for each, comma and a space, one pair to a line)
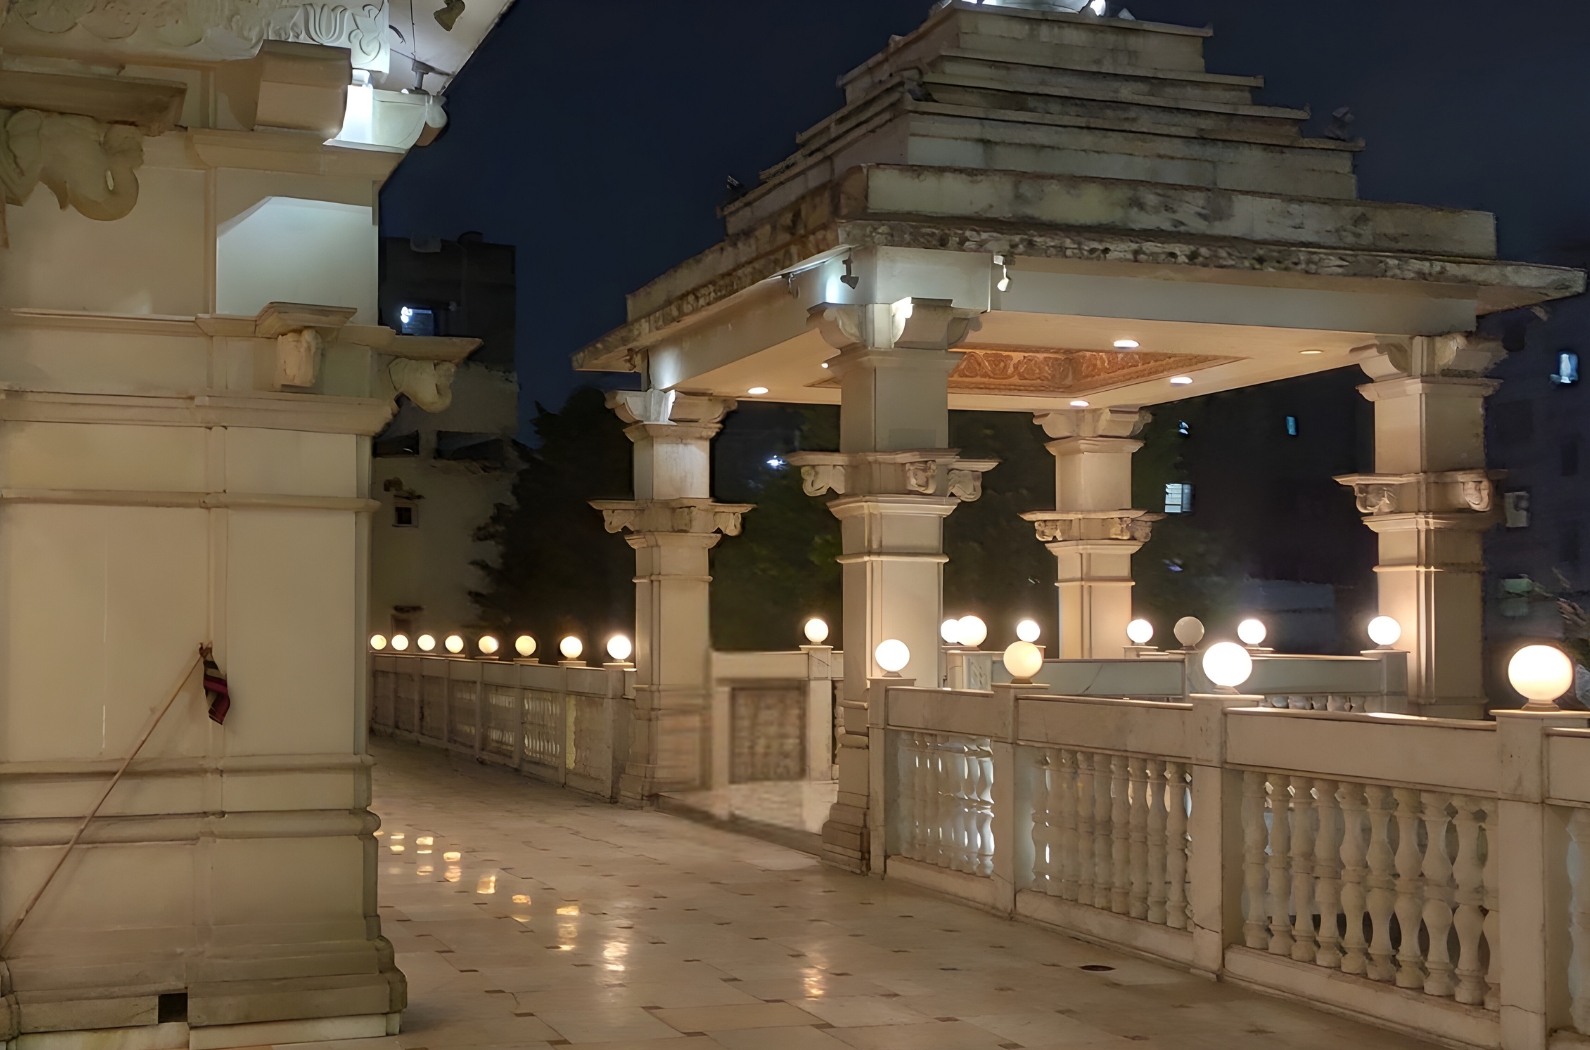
1460, 492
153, 106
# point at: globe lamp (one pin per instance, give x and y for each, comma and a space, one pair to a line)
571, 648
400, 642
1140, 632
1227, 665
524, 645
1023, 660
618, 648
454, 643
950, 631
1384, 631
1252, 632
972, 631
1542, 674
378, 642
1028, 630
816, 631
1189, 631
488, 645
892, 655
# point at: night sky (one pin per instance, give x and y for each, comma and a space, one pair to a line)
596, 136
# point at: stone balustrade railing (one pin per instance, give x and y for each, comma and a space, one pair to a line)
560, 723
1431, 875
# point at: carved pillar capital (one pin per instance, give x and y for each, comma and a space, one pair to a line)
1119, 422
700, 517
910, 324
1134, 527
1454, 355
932, 472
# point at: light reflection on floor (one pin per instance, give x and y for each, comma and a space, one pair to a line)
614, 929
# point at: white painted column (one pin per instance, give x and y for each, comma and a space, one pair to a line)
1430, 501
1093, 532
896, 483
672, 524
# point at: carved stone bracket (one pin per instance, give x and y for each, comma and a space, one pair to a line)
1116, 526
910, 324
1455, 355
926, 472
686, 516
1453, 491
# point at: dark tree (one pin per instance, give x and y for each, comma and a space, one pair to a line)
558, 571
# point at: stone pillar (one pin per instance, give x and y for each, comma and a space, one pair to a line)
672, 523
896, 483
1092, 532
1430, 501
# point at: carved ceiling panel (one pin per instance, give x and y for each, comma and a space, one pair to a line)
1041, 370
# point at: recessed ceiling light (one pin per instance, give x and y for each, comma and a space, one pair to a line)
1126, 344
1079, 404
825, 364
1181, 380
1312, 352
757, 391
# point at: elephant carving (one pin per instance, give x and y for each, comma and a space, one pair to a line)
428, 384
88, 165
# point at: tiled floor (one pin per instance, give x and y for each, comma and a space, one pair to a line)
539, 918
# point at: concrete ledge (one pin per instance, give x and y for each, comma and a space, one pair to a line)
371, 1026
958, 884
1105, 927
170, 1036
1402, 1010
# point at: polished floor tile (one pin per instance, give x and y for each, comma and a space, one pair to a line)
529, 917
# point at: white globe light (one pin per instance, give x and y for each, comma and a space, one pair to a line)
1189, 631
1384, 631
816, 631
524, 645
378, 642
1227, 664
972, 631
571, 648
1252, 632
618, 648
950, 631
426, 642
1023, 660
892, 655
1028, 630
1141, 632
1541, 673
454, 643
488, 644
400, 642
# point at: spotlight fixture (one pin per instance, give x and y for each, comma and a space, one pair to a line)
1181, 380
1079, 404
757, 391
1126, 344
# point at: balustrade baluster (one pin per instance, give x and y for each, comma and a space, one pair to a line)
1065, 798
1154, 782
1469, 920
1042, 823
1355, 872
1379, 883
906, 768
1410, 904
1120, 836
1579, 920
1176, 913
1137, 840
1084, 812
984, 759
1256, 926
965, 807
1493, 912
939, 843
1280, 880
1304, 945
1327, 872
1102, 850
1438, 896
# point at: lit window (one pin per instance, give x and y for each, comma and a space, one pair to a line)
1184, 429
1291, 426
1567, 373
1516, 506
417, 320
1178, 498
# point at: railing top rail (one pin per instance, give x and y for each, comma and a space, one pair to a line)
1366, 718
1111, 701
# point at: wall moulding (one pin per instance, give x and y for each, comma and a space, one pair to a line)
313, 413
1042, 370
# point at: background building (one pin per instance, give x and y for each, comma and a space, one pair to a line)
439, 473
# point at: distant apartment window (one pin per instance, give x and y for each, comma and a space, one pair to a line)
396, 445
1568, 545
1291, 426
1184, 429
1568, 457
1515, 593
1516, 506
417, 320
1567, 373
1178, 498
404, 515
1514, 422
